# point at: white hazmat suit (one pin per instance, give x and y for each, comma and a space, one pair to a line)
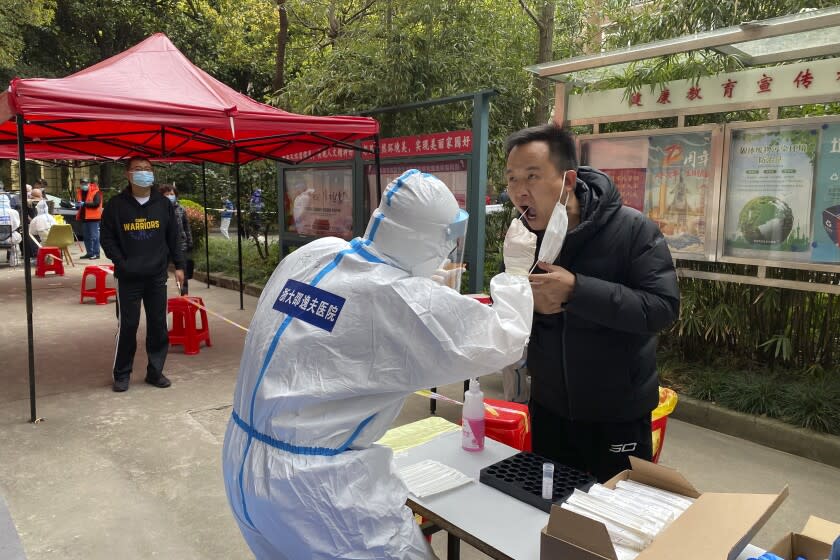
9, 217
343, 333
40, 225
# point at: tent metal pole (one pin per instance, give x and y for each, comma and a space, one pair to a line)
206, 228
239, 230
378, 174
27, 268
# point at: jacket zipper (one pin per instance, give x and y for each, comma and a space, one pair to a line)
565, 369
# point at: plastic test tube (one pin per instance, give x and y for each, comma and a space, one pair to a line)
548, 481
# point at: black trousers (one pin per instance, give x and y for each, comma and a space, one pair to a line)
600, 448
152, 293
188, 274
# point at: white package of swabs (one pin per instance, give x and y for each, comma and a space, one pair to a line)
429, 477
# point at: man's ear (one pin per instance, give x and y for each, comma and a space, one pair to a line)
571, 180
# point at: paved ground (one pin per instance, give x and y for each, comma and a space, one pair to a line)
137, 475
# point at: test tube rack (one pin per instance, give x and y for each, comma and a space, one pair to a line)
520, 476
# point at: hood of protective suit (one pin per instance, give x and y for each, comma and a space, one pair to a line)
4, 202
413, 226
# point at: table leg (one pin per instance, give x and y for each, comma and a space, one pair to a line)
433, 402
453, 547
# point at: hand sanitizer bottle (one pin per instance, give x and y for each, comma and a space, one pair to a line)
472, 423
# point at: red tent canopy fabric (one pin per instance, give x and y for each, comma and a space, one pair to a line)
151, 100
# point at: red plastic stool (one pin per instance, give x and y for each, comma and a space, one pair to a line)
100, 291
184, 330
43, 266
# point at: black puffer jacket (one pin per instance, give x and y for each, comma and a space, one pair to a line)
597, 360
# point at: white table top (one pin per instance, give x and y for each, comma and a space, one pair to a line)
502, 522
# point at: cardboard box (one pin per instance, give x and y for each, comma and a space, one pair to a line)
716, 526
813, 543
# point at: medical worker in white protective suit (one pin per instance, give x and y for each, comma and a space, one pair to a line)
40, 225
343, 333
10, 217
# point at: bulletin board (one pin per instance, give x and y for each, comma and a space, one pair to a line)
671, 175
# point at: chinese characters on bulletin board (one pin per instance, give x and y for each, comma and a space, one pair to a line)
319, 201
668, 177
783, 194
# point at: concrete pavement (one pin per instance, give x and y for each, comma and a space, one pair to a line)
137, 475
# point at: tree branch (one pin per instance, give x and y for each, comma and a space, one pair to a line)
291, 12
531, 14
302, 23
362, 12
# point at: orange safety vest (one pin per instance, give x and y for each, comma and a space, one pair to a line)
90, 213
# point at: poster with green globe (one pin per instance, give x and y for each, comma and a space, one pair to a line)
769, 191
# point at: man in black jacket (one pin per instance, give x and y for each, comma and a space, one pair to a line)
597, 309
140, 236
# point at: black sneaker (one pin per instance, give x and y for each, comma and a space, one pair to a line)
120, 385
85, 257
161, 381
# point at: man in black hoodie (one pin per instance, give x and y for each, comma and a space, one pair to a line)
597, 309
140, 235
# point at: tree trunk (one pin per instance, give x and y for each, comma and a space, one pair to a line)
544, 87
282, 38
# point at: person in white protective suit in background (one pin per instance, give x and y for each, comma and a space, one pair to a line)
9, 217
40, 225
343, 333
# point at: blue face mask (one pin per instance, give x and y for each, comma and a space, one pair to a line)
143, 179
171, 197
85, 188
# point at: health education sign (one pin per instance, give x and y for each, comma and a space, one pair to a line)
319, 199
669, 177
439, 143
826, 216
793, 83
768, 193
783, 193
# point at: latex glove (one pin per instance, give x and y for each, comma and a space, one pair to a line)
447, 275
79, 205
519, 248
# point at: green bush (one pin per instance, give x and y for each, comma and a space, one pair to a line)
224, 259
753, 393
813, 405
195, 217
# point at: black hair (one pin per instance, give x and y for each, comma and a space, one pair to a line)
561, 144
132, 159
168, 187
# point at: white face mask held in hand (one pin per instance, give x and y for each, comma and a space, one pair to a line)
555, 232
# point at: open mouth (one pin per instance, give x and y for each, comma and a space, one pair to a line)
530, 213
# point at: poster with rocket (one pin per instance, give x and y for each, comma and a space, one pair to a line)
679, 182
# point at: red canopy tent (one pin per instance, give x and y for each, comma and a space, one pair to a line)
152, 101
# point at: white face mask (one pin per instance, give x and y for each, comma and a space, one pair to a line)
555, 232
